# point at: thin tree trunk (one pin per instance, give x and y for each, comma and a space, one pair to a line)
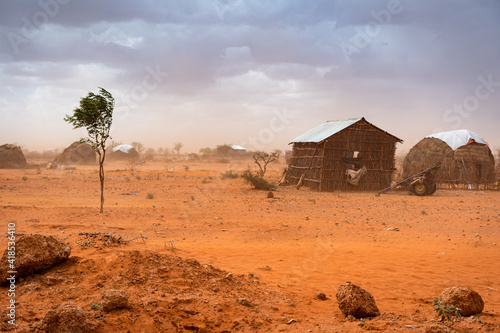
101, 177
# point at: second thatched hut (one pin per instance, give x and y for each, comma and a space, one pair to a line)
465, 158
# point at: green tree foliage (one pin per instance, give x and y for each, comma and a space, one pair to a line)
96, 115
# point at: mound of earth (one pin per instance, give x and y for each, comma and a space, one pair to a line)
11, 157
77, 153
167, 294
32, 254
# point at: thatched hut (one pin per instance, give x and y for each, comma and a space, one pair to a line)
124, 152
348, 154
11, 157
77, 153
464, 156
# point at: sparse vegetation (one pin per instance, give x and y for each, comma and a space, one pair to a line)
257, 181
150, 196
95, 306
229, 175
445, 312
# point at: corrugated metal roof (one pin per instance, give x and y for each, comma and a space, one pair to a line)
325, 130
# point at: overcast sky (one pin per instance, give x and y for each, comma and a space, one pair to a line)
253, 73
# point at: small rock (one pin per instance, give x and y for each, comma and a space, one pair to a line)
393, 229
270, 195
469, 301
245, 302
114, 299
321, 295
356, 301
65, 318
264, 268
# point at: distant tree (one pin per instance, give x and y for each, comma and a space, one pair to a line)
223, 150
206, 151
177, 147
262, 159
160, 151
113, 144
96, 115
149, 154
138, 146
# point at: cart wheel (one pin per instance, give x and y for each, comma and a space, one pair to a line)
432, 189
420, 189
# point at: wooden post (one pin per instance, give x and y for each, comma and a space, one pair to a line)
301, 180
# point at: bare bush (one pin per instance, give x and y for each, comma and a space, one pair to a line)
262, 159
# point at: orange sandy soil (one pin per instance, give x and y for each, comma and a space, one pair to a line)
311, 241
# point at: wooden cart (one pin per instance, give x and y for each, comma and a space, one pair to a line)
419, 184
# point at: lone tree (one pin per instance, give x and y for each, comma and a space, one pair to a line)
96, 115
177, 147
262, 159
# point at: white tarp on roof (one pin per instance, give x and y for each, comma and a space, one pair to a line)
236, 147
458, 138
123, 148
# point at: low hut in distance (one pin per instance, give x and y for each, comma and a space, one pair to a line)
77, 153
11, 157
124, 153
464, 156
350, 154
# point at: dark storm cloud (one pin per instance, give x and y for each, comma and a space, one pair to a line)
322, 59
